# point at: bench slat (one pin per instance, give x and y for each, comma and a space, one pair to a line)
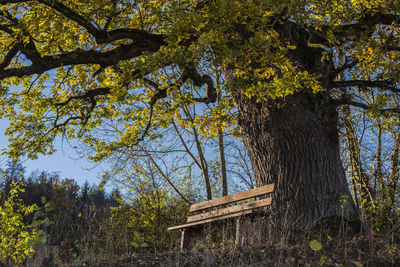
242, 213
233, 198
234, 209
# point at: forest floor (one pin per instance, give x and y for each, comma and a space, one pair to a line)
358, 252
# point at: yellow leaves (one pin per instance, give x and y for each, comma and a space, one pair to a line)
368, 54
366, 4
183, 124
260, 61
217, 120
17, 239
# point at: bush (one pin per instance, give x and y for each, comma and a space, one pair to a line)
17, 239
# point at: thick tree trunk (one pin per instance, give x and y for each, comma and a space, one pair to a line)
293, 142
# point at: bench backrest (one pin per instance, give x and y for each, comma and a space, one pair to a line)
259, 191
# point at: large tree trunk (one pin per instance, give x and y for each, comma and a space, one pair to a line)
293, 142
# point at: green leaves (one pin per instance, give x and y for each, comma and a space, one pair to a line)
137, 244
315, 245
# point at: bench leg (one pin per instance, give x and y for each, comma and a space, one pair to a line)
185, 240
248, 231
238, 233
190, 237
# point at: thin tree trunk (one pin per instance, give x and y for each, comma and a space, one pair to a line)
394, 170
221, 147
379, 180
204, 165
223, 163
361, 178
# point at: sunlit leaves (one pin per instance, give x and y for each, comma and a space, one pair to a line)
17, 239
244, 35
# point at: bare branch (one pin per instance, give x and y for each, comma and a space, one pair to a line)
187, 150
166, 178
343, 68
365, 106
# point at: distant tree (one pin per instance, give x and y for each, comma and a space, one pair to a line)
13, 172
84, 193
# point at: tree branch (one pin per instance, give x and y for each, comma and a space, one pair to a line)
10, 55
66, 11
112, 57
364, 106
88, 94
343, 68
350, 32
392, 48
5, 28
384, 85
166, 178
101, 35
199, 80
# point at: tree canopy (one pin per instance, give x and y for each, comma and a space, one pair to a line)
113, 72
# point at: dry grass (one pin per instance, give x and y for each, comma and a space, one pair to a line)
256, 246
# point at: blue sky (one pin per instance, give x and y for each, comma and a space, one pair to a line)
65, 161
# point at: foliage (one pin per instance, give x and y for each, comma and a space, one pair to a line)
81, 223
145, 220
105, 60
371, 154
41, 219
17, 239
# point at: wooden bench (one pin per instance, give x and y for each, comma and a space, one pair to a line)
215, 210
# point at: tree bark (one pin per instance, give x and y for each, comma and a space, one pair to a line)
293, 142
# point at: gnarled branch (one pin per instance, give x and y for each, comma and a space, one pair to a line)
199, 80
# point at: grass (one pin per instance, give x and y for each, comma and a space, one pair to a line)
218, 248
